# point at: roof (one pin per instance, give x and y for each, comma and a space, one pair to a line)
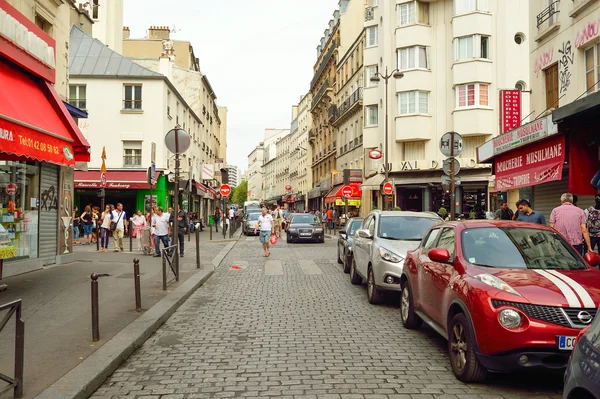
91, 57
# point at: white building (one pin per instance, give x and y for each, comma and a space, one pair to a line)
235, 177
456, 56
255, 173
270, 190
108, 21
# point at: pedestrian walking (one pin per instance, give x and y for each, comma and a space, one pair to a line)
329, 218
267, 227
105, 229
95, 220
593, 224
139, 222
216, 218
118, 226
504, 213
527, 214
88, 225
182, 226
570, 221
162, 229
76, 221
278, 216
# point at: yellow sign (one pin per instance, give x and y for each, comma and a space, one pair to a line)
351, 202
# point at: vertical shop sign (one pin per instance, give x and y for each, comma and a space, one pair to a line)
510, 110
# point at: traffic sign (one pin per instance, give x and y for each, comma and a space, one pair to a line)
451, 144
347, 191
446, 166
446, 180
388, 188
183, 141
11, 189
103, 179
225, 190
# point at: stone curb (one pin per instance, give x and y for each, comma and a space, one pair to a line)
83, 380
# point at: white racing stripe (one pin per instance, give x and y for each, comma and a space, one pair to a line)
585, 297
572, 299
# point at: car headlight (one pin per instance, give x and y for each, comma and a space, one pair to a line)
509, 318
390, 256
495, 282
318, 230
292, 230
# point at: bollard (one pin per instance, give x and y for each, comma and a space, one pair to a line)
224, 228
138, 288
164, 270
95, 310
231, 226
130, 234
188, 233
197, 249
210, 231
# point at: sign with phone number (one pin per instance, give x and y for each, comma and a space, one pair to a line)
39, 146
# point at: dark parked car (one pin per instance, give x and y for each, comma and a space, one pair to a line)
249, 222
345, 242
305, 227
582, 378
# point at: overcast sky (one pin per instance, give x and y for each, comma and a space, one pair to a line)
257, 54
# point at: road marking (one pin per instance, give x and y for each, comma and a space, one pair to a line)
273, 268
250, 238
309, 267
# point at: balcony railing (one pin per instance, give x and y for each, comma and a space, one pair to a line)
369, 13
333, 112
348, 103
547, 13
320, 93
323, 65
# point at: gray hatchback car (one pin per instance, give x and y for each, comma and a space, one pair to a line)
380, 247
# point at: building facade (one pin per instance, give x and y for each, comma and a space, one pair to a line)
302, 153
453, 54
255, 173
108, 21
234, 174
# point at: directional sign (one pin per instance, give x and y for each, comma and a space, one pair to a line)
450, 140
446, 166
11, 189
347, 191
446, 180
388, 188
225, 190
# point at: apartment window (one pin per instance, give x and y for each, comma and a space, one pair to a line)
132, 153
168, 103
413, 12
370, 71
472, 94
77, 96
484, 47
95, 9
592, 68
465, 6
373, 3
463, 48
43, 24
372, 115
551, 77
372, 38
132, 97
413, 102
412, 57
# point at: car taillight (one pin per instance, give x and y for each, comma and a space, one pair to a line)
581, 333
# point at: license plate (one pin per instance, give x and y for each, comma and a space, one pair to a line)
566, 343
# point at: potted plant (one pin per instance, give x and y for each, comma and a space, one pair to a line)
442, 212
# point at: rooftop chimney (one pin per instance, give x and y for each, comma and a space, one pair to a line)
159, 32
126, 32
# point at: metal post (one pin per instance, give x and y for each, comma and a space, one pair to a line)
176, 263
164, 271
210, 230
197, 249
386, 168
151, 211
176, 202
225, 216
95, 310
130, 235
452, 184
19, 351
136, 280
346, 211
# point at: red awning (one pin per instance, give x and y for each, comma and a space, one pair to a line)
34, 122
336, 193
115, 179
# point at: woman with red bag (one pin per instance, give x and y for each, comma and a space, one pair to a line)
267, 229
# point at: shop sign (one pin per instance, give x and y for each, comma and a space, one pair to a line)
29, 46
351, 202
353, 176
432, 164
110, 185
510, 110
536, 164
201, 187
208, 172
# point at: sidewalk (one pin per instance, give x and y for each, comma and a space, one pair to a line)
57, 306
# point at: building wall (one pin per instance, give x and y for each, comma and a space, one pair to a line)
255, 173
305, 153
153, 48
221, 146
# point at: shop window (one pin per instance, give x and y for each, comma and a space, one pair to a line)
77, 96
132, 154
592, 68
551, 78
132, 97
19, 210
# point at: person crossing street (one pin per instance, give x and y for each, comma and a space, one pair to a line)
266, 226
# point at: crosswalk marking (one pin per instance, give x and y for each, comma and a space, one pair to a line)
273, 268
309, 267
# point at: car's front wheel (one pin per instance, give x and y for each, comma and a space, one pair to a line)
407, 309
354, 277
374, 294
461, 347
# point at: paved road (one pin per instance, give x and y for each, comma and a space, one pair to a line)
295, 327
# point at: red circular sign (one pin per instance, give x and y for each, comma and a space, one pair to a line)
11, 189
388, 188
347, 191
225, 190
288, 187
375, 154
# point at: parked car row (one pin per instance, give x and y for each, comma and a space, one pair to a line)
507, 296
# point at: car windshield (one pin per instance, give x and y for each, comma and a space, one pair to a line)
519, 248
409, 228
310, 219
354, 225
253, 216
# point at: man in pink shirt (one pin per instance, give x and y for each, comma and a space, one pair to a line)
570, 221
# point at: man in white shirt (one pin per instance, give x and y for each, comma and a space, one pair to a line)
162, 229
119, 217
231, 213
265, 223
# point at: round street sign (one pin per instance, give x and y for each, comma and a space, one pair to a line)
388, 188
375, 154
11, 189
347, 191
446, 166
448, 143
225, 190
103, 179
183, 139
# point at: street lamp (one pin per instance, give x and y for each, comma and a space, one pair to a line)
396, 74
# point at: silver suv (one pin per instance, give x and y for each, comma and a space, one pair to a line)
380, 247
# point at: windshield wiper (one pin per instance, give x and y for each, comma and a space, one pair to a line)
390, 238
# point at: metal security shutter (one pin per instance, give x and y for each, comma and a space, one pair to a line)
547, 196
48, 213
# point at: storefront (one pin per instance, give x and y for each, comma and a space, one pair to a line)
39, 145
204, 200
335, 198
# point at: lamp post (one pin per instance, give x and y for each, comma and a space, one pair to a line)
396, 74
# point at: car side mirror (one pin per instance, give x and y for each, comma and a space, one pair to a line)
364, 233
439, 255
343, 234
593, 259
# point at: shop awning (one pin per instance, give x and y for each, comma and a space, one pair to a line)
373, 182
34, 122
336, 193
115, 179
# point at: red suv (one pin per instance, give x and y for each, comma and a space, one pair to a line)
506, 295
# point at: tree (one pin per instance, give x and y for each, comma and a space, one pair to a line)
240, 195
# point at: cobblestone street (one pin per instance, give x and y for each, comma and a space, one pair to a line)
293, 326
